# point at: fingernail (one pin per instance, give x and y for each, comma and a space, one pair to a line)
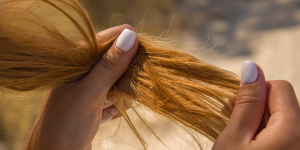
104, 121
126, 40
249, 72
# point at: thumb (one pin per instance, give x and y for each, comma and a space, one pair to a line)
114, 62
250, 104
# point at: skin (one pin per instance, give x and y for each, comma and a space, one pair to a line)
74, 126
282, 130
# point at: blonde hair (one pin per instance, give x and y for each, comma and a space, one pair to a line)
40, 49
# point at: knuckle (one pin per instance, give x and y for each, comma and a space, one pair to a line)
227, 140
109, 112
106, 113
282, 83
109, 63
285, 84
106, 64
108, 103
247, 99
279, 85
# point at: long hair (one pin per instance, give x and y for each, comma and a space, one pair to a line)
41, 48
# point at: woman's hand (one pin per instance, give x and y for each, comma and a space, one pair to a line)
71, 116
282, 130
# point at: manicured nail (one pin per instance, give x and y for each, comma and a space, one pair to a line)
249, 72
104, 121
126, 40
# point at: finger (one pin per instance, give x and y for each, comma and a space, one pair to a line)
110, 67
114, 62
109, 113
109, 33
250, 103
282, 99
127, 105
284, 112
107, 103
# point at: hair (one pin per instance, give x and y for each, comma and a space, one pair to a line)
40, 48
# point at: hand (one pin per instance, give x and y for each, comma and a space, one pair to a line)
71, 116
282, 130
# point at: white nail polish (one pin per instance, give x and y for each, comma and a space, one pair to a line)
249, 72
126, 40
104, 121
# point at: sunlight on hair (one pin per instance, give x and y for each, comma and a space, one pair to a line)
41, 48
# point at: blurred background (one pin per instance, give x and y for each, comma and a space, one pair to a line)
224, 33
